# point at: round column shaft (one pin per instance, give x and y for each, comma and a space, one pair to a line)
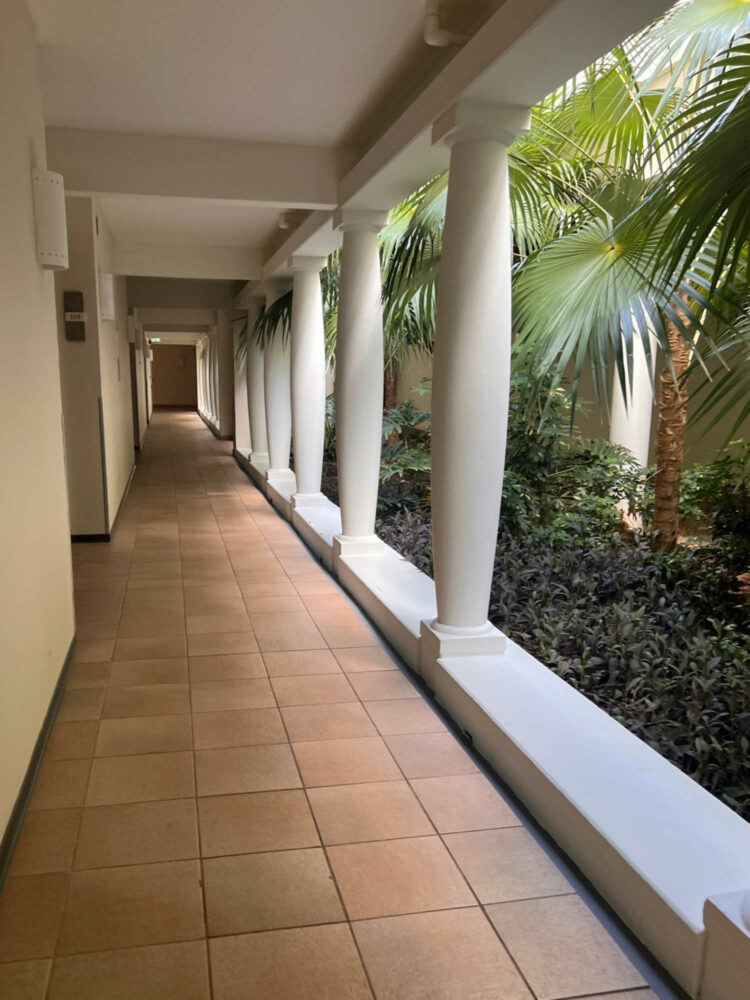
276, 366
308, 375
471, 376
256, 398
359, 373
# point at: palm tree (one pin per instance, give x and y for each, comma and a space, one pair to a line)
592, 274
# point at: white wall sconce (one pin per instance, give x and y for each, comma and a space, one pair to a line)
49, 220
106, 296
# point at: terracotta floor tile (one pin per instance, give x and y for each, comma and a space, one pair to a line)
217, 643
93, 650
345, 762
323, 689
333, 617
348, 814
139, 626
25, 980
245, 769
47, 842
204, 606
402, 716
341, 637
269, 588
221, 696
398, 876
269, 621
159, 972
125, 907
150, 647
71, 740
31, 909
327, 722
88, 675
506, 864
315, 585
211, 591
96, 628
383, 685
430, 755
561, 948
441, 955
282, 640
257, 604
306, 963
229, 666
60, 784
463, 802
300, 662
357, 659
242, 728
161, 671
261, 821
137, 833
80, 705
260, 892
142, 778
152, 734
209, 624
146, 699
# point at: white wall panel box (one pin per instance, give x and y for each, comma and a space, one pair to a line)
49, 220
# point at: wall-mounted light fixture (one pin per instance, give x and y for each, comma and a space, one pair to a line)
107, 296
49, 220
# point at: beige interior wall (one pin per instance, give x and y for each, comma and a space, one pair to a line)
174, 375
413, 370
36, 595
80, 376
114, 372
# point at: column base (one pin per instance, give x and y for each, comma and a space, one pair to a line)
280, 485
437, 642
357, 545
309, 500
259, 468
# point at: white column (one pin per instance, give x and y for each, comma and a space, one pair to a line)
214, 341
276, 364
471, 374
359, 379
308, 379
256, 401
241, 417
630, 422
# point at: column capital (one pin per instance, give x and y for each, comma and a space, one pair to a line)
362, 219
301, 262
465, 121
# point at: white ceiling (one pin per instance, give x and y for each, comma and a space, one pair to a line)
289, 71
188, 221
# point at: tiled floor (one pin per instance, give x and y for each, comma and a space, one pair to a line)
245, 798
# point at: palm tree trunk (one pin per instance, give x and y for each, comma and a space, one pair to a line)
390, 386
670, 443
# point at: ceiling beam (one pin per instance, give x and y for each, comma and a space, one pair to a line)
250, 173
167, 260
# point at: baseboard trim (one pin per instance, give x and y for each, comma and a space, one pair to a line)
17, 816
123, 498
104, 537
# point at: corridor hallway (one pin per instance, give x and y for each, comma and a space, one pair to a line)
244, 796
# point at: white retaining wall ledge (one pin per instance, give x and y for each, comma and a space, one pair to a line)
670, 858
